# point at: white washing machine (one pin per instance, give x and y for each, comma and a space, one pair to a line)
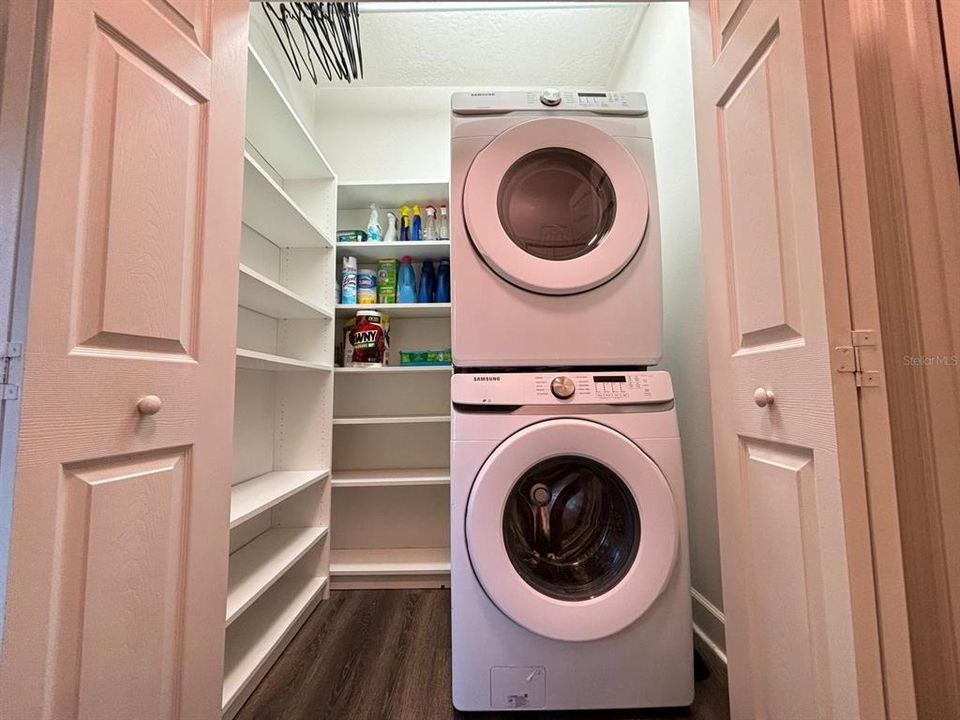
555, 254
570, 579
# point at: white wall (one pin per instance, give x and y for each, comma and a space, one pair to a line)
658, 64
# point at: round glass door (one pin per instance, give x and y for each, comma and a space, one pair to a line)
571, 529
555, 206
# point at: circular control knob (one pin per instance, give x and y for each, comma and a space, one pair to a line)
562, 387
550, 97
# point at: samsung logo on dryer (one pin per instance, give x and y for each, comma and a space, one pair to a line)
486, 378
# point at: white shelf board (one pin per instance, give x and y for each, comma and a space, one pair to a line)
390, 561
253, 496
255, 360
274, 129
260, 293
271, 212
256, 566
391, 419
399, 310
358, 194
391, 478
394, 369
370, 252
259, 636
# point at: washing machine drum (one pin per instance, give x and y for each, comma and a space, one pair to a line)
555, 206
571, 529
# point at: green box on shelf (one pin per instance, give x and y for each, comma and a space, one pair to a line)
426, 357
387, 280
351, 236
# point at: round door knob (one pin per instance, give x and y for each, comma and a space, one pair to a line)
562, 387
149, 405
550, 97
763, 397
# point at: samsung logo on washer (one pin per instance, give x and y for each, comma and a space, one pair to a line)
486, 378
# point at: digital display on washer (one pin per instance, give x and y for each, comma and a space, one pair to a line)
609, 378
580, 94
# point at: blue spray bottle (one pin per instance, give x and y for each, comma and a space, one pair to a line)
415, 233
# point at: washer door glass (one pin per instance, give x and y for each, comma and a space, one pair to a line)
556, 203
571, 528
556, 206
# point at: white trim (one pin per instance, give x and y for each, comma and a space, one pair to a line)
708, 606
714, 648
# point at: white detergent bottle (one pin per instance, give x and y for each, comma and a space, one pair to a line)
374, 231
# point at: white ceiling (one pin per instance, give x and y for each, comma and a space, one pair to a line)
574, 46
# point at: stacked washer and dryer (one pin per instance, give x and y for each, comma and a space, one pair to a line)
569, 567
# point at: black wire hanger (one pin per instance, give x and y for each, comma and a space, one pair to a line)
318, 33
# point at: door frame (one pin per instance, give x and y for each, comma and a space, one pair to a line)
24, 29
901, 210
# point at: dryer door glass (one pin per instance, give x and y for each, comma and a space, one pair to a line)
571, 528
556, 203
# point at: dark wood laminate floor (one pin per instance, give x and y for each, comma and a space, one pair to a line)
385, 655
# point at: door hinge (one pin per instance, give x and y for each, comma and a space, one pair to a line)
8, 352
859, 359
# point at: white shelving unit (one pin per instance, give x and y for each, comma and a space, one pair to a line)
391, 419
255, 495
392, 477
396, 567
261, 294
256, 639
358, 194
391, 457
280, 502
398, 310
368, 252
254, 360
403, 369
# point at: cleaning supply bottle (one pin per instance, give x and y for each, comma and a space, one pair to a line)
428, 283
443, 227
374, 231
348, 292
391, 235
443, 282
430, 223
415, 227
406, 281
404, 224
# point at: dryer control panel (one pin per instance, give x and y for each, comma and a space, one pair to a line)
562, 388
548, 99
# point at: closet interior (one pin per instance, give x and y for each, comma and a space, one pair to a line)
342, 474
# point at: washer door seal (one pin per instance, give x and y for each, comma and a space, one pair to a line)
555, 206
619, 573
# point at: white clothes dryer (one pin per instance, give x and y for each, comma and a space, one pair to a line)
555, 254
569, 573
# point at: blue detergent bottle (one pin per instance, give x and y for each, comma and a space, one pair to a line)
406, 281
428, 283
443, 282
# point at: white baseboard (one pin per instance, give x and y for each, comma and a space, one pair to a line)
709, 624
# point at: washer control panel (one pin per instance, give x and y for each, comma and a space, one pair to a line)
565, 388
546, 99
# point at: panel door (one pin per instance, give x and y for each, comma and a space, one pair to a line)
785, 575
118, 558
